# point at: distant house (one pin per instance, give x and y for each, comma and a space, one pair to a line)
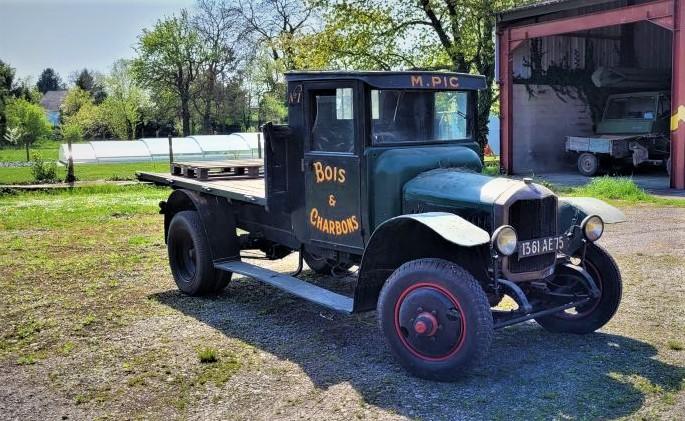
51, 102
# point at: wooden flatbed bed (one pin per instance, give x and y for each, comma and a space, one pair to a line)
242, 188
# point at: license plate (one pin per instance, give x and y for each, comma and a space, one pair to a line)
539, 246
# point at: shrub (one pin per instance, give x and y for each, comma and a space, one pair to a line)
43, 172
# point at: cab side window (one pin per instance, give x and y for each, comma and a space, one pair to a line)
333, 121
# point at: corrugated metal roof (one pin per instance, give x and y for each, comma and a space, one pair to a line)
545, 7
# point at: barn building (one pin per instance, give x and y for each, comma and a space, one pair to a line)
549, 57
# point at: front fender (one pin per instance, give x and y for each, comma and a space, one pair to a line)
572, 211
410, 237
580, 207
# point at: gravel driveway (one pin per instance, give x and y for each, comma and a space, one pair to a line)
283, 358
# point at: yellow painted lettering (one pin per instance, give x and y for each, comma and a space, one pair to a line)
318, 172
416, 81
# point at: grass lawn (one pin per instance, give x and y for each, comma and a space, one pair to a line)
93, 327
48, 150
86, 172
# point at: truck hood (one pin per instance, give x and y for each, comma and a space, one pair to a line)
459, 189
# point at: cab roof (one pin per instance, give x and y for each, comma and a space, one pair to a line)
396, 80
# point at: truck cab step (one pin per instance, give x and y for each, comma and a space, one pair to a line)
289, 284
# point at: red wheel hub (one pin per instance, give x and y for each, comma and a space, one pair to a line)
429, 321
426, 324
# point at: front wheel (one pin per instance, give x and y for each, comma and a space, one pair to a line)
595, 314
435, 318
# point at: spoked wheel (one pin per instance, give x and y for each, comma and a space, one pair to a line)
596, 313
435, 318
190, 257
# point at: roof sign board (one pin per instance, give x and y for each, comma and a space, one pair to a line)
399, 80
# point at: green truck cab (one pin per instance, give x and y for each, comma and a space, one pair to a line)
634, 129
380, 171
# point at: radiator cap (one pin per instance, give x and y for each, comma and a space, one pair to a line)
528, 180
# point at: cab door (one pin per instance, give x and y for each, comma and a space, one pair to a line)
332, 166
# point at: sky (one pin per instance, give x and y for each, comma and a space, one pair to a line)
69, 35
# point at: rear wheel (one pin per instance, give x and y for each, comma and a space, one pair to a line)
595, 314
190, 256
435, 318
588, 164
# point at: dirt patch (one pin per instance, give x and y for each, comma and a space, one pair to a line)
111, 337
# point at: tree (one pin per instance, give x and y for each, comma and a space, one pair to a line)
30, 119
170, 58
434, 34
88, 82
215, 23
275, 25
6, 81
79, 109
49, 80
124, 109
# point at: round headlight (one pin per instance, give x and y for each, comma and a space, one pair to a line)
593, 227
504, 240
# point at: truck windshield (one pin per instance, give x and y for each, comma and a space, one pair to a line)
419, 116
635, 107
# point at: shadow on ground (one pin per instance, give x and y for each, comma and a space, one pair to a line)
529, 373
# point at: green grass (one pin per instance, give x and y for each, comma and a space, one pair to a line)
86, 172
207, 355
79, 206
48, 150
622, 190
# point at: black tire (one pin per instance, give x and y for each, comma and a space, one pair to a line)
588, 164
587, 319
448, 297
322, 265
190, 257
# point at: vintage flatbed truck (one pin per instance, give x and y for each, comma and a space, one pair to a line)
382, 171
634, 130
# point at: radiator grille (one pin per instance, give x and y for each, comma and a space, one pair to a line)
533, 219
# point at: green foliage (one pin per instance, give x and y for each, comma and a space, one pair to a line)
49, 80
126, 103
169, 59
71, 133
43, 172
29, 118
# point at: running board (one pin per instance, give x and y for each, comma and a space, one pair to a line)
289, 284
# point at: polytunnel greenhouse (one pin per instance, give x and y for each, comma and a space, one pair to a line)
192, 148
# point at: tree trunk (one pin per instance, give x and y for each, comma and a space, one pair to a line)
70, 164
185, 115
28, 158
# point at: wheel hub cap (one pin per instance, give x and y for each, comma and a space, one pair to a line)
425, 324
429, 323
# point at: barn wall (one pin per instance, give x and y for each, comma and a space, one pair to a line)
571, 50
541, 125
